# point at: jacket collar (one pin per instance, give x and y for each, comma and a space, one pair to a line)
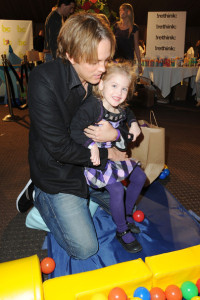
73, 79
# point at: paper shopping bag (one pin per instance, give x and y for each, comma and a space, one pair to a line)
149, 149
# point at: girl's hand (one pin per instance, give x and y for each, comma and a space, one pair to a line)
135, 130
95, 157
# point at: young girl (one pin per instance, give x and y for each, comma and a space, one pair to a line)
109, 104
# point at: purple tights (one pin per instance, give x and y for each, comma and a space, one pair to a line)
119, 210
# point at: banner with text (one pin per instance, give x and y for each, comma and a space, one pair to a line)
19, 34
166, 34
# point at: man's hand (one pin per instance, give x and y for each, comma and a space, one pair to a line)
135, 130
102, 133
116, 155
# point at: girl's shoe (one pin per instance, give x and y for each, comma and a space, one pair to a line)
133, 228
133, 247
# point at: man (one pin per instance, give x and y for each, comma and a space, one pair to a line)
54, 22
56, 91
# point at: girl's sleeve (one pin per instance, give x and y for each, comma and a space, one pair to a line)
130, 116
86, 115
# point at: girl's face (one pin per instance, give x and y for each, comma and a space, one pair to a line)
114, 90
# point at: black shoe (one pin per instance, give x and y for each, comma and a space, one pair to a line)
133, 228
133, 247
25, 199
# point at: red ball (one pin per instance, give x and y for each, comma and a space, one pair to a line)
173, 292
138, 216
198, 285
157, 294
47, 265
117, 293
125, 182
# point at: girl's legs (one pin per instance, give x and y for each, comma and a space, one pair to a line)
137, 180
117, 209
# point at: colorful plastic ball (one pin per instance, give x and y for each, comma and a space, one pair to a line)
165, 166
173, 292
198, 285
117, 293
189, 290
162, 175
138, 216
196, 298
166, 171
157, 294
47, 265
136, 298
142, 293
99, 296
125, 182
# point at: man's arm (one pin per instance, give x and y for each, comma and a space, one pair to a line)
50, 121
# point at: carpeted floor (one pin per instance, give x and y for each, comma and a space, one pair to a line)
182, 124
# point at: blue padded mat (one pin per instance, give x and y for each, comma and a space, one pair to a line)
167, 227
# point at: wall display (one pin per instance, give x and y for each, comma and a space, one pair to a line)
166, 34
18, 33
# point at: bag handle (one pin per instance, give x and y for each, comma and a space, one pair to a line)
153, 115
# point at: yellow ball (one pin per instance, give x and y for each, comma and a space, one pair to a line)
196, 298
99, 296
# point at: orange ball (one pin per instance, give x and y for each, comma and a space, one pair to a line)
47, 265
173, 292
157, 294
117, 293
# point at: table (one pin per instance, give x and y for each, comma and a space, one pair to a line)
167, 77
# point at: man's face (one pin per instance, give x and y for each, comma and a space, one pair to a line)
68, 9
89, 72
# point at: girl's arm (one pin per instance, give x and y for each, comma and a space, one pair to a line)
86, 115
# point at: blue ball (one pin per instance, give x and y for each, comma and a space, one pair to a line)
166, 171
162, 175
143, 293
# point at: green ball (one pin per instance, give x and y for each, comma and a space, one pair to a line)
189, 290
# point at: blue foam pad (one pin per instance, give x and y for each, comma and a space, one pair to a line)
167, 226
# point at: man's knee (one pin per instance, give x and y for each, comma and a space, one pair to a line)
85, 251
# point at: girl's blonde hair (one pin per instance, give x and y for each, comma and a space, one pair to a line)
80, 36
113, 68
129, 7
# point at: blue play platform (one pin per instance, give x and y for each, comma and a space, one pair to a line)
167, 227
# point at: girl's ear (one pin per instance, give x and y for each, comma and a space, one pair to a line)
101, 85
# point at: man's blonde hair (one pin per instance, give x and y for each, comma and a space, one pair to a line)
80, 36
113, 68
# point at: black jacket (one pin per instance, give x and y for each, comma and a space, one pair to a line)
91, 112
56, 161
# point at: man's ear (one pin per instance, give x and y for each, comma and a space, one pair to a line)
70, 59
101, 85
